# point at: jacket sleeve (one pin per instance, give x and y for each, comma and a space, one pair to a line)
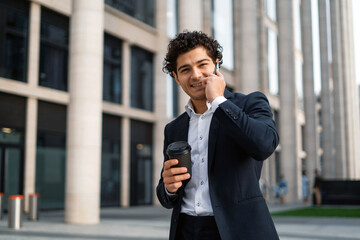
251, 126
165, 200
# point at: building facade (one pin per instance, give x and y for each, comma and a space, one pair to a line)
83, 99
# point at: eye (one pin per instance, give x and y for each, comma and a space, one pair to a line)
184, 70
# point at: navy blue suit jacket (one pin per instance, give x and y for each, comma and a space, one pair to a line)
242, 134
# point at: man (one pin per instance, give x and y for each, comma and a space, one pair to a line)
230, 135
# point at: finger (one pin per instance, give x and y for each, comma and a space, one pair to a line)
177, 170
218, 73
169, 163
167, 174
181, 177
173, 187
176, 178
203, 80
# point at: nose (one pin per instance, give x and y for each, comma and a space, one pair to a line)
196, 73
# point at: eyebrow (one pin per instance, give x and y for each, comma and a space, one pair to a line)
200, 61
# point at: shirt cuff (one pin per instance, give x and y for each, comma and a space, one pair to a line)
169, 194
217, 101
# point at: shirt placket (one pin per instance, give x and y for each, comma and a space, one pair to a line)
201, 164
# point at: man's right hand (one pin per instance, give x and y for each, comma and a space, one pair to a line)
173, 176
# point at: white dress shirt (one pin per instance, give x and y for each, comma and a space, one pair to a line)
196, 200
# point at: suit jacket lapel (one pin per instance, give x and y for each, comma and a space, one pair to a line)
182, 132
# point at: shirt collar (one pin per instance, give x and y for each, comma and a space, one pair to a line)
190, 108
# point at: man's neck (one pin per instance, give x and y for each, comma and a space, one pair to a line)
199, 106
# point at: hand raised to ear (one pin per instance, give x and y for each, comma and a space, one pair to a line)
214, 86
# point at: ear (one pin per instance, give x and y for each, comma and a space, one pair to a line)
175, 77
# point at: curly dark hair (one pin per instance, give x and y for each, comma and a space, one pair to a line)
187, 41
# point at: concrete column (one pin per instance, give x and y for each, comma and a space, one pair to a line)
34, 44
247, 46
31, 108
125, 138
125, 162
190, 15
237, 51
207, 22
126, 73
190, 18
30, 149
348, 101
288, 99
326, 97
310, 133
354, 93
337, 75
263, 71
160, 93
83, 163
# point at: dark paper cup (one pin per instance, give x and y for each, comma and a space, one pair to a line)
181, 151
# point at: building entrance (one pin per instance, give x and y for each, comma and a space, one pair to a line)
11, 163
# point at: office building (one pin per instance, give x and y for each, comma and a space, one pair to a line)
83, 99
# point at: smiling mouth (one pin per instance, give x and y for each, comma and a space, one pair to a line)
196, 85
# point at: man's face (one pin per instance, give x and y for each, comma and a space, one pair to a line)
192, 67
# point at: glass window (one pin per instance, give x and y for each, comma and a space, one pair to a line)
303, 137
141, 186
111, 161
112, 74
11, 160
172, 97
272, 62
51, 155
14, 20
12, 111
223, 29
141, 79
277, 118
143, 10
171, 18
54, 50
270, 9
12, 125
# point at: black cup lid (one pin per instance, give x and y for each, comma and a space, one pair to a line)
178, 148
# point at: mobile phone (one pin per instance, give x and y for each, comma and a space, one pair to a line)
216, 67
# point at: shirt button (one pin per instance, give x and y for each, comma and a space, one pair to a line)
202, 160
202, 117
201, 137
202, 182
198, 204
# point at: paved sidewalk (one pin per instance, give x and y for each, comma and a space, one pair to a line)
152, 223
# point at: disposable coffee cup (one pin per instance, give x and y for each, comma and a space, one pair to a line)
181, 151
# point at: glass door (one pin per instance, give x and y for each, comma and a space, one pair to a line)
11, 180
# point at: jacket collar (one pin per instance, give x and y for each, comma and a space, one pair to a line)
228, 94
